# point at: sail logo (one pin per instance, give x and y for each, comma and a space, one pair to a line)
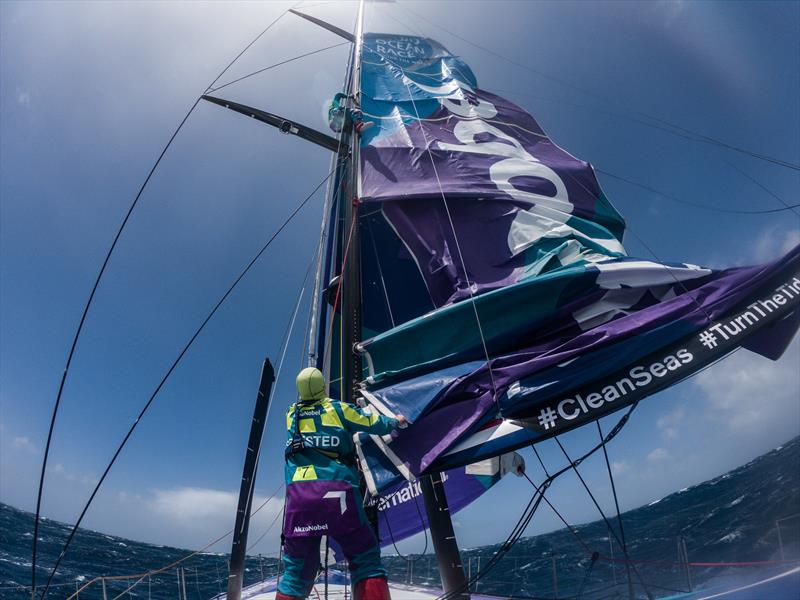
638, 377
710, 337
408, 492
406, 48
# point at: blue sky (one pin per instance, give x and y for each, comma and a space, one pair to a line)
90, 92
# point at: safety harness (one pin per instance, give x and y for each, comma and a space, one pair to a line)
297, 444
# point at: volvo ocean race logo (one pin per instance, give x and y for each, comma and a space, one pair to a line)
401, 49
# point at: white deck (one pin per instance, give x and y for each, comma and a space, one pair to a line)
337, 590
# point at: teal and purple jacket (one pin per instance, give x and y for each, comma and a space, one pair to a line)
327, 427
322, 480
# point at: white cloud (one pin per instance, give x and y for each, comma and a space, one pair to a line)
749, 393
669, 423
207, 512
775, 241
23, 98
618, 467
657, 455
24, 443
771, 242
189, 504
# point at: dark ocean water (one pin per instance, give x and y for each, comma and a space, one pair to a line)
729, 519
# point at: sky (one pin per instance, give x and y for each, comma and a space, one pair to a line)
91, 91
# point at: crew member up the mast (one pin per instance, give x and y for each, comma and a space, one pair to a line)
343, 110
322, 491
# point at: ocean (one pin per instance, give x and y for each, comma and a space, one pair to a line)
749, 515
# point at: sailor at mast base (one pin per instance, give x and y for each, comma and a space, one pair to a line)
322, 491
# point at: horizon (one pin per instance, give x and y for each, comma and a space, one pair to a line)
385, 552
91, 91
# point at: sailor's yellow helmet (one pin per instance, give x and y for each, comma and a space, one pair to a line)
311, 384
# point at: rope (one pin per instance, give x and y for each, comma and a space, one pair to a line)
732, 211
424, 531
74, 344
589, 570
166, 567
79, 329
661, 262
616, 505
339, 289
327, 548
668, 563
532, 507
763, 187
246, 48
574, 467
455, 238
169, 372
278, 64
699, 137
380, 272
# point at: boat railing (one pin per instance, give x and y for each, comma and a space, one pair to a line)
555, 573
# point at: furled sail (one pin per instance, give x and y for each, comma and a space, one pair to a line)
499, 302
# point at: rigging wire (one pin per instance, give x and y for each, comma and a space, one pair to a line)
571, 529
666, 267
495, 398
166, 567
688, 135
406, 557
532, 507
616, 506
74, 344
763, 187
733, 211
88, 304
700, 137
169, 372
269, 528
600, 510
278, 64
282, 351
246, 48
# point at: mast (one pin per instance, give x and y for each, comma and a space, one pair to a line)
451, 569
351, 273
448, 557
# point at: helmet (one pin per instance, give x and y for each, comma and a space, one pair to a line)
311, 384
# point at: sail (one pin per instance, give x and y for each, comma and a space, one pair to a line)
500, 305
401, 512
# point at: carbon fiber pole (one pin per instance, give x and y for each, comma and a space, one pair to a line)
236, 566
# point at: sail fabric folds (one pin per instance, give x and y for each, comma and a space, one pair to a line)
528, 316
401, 512
517, 204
